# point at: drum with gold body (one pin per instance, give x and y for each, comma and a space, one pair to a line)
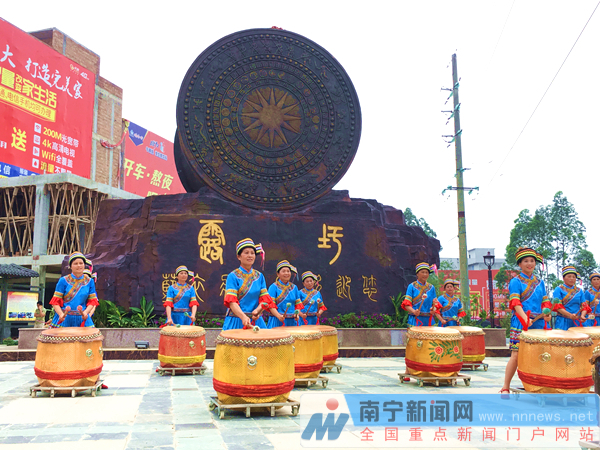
592, 332
330, 344
433, 351
69, 357
182, 346
473, 343
308, 352
555, 361
254, 366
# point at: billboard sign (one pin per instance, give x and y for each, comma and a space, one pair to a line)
21, 306
46, 105
149, 165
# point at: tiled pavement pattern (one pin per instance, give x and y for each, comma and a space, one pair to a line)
143, 410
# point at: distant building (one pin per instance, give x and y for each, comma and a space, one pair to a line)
475, 260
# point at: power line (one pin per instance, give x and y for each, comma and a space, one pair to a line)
544, 95
502, 32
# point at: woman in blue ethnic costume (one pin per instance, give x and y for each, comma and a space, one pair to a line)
420, 299
246, 293
285, 295
75, 296
312, 302
527, 295
569, 301
452, 309
592, 296
181, 302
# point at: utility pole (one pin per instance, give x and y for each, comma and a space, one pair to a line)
460, 194
462, 225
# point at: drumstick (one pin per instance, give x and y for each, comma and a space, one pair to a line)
67, 309
287, 306
80, 309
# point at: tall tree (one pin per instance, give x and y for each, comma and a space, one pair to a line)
412, 221
567, 231
557, 233
586, 264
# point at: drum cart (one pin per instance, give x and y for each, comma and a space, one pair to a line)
541, 398
475, 365
435, 380
248, 407
33, 390
327, 369
181, 370
310, 381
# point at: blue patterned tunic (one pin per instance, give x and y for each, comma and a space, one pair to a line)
76, 293
282, 294
248, 289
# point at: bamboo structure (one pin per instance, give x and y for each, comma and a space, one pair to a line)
17, 208
71, 220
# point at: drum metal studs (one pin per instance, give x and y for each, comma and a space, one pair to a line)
569, 360
89, 353
545, 357
100, 351
192, 344
419, 344
252, 361
201, 343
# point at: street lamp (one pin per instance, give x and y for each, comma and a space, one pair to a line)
489, 260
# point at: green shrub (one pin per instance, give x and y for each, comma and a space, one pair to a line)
9, 341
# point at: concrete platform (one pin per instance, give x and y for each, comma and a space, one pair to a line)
144, 410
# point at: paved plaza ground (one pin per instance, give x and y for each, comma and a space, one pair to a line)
143, 410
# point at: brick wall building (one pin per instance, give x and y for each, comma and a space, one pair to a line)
108, 106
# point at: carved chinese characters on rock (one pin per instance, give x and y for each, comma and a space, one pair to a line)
268, 118
331, 233
342, 287
370, 287
211, 240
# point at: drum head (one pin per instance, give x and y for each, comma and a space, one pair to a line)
541, 335
183, 329
70, 331
434, 330
306, 332
468, 330
260, 335
593, 332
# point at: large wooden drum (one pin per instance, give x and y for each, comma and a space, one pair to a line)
254, 366
308, 352
182, 346
593, 332
69, 357
595, 360
434, 351
330, 344
555, 361
473, 344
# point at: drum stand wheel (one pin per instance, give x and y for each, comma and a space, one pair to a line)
181, 370
33, 390
328, 369
215, 403
310, 381
435, 380
475, 366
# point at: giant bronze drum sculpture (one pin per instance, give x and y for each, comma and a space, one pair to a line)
267, 118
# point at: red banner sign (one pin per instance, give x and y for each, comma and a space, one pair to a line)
46, 106
149, 167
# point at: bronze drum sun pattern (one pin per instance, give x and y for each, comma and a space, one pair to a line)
268, 118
